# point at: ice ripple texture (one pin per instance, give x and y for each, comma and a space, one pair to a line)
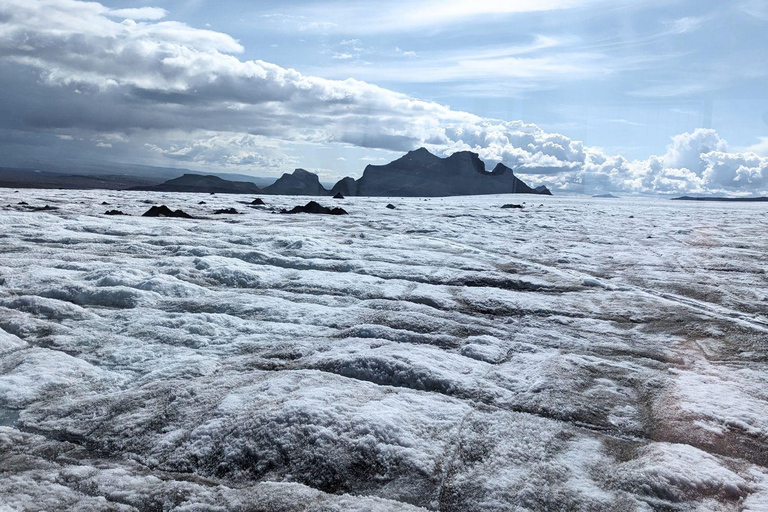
578, 354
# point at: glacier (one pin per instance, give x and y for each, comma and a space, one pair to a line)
576, 354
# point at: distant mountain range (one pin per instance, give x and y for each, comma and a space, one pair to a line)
110, 176
202, 183
726, 199
417, 174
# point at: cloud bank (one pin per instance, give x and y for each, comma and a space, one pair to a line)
127, 77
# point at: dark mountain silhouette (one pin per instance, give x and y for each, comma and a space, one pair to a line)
420, 173
202, 183
299, 183
346, 187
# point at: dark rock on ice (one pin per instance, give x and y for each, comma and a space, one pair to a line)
338, 196
164, 211
257, 201
313, 207
391, 206
114, 212
513, 206
226, 211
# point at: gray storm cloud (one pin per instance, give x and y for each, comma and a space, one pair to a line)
79, 69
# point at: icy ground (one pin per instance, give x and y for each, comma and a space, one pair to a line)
580, 354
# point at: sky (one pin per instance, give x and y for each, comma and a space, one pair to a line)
661, 97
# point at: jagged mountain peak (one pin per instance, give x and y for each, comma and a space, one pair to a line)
303, 173
421, 155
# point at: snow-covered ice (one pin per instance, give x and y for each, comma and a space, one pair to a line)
578, 354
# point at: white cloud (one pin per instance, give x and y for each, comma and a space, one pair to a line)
685, 150
406, 53
140, 13
224, 150
760, 148
734, 171
404, 16
200, 103
687, 24
696, 162
625, 122
755, 8
540, 63
671, 90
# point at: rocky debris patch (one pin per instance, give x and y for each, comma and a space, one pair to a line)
164, 211
226, 211
314, 207
114, 212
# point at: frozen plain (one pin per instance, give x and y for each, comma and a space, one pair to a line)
579, 354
